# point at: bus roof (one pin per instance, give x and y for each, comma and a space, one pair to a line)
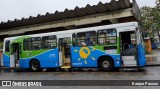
78, 30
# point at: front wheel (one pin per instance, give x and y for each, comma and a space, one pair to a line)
35, 66
106, 64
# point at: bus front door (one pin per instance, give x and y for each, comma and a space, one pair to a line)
64, 52
128, 49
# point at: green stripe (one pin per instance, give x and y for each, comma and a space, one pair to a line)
33, 53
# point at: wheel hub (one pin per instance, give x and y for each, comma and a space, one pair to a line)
105, 64
34, 66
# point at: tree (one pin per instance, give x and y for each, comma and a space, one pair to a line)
146, 19
157, 17
151, 19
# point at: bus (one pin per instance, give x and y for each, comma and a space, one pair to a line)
105, 47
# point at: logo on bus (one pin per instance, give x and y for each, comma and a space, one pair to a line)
84, 53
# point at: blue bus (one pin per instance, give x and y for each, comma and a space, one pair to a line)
105, 47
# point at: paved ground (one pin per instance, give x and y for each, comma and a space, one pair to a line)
154, 58
148, 73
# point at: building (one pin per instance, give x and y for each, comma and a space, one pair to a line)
101, 14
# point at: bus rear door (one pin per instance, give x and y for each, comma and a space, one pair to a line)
15, 54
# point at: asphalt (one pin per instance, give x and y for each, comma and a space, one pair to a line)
153, 59
147, 73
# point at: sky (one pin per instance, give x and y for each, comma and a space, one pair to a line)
16, 9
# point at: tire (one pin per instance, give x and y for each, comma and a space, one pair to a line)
35, 66
106, 64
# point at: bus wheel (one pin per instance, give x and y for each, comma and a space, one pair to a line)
35, 65
106, 64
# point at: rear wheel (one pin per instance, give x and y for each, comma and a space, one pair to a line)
106, 64
35, 66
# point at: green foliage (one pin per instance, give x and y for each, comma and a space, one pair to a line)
151, 19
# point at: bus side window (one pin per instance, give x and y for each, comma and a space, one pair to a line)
74, 40
49, 42
7, 46
107, 36
87, 38
29, 44
53, 42
36, 43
